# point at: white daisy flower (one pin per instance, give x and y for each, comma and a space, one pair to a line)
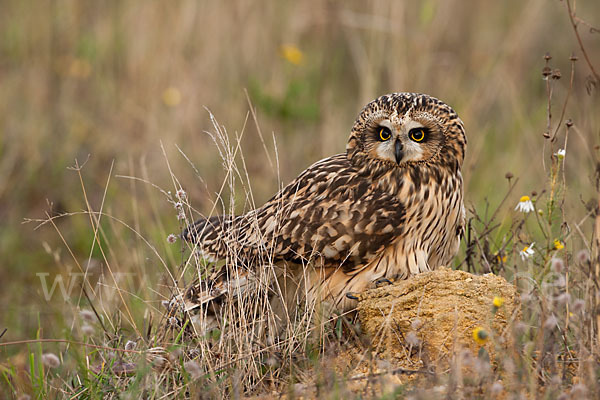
527, 252
525, 205
560, 154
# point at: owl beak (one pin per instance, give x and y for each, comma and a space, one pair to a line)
398, 150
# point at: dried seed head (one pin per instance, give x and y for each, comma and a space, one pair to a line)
569, 123
525, 297
87, 330
440, 390
563, 298
579, 306
547, 56
416, 324
300, 389
520, 327
466, 356
558, 265
171, 238
578, 391
383, 364
159, 362
556, 74
556, 380
573, 57
181, 195
509, 366
583, 256
193, 369
496, 388
550, 322
412, 339
87, 315
509, 175
174, 355
272, 361
546, 72
130, 345
546, 135
482, 366
50, 360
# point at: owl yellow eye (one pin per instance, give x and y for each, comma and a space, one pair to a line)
385, 134
417, 134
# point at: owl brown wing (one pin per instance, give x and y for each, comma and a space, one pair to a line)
331, 213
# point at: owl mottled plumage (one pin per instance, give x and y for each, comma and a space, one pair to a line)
390, 207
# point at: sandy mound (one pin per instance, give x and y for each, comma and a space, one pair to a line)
425, 320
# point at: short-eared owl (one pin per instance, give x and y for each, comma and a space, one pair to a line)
389, 207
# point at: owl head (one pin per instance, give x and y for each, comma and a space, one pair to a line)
402, 129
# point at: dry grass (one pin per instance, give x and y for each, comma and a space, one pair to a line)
102, 120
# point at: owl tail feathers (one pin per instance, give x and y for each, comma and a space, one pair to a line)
206, 303
232, 287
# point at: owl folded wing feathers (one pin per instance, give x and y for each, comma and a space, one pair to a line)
330, 215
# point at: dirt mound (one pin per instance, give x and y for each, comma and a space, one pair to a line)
426, 320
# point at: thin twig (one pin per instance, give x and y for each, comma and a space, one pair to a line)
95, 346
564, 108
581, 46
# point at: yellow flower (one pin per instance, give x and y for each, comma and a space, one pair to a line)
558, 245
292, 54
171, 96
79, 68
480, 336
500, 258
498, 301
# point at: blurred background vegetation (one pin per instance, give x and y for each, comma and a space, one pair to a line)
129, 82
